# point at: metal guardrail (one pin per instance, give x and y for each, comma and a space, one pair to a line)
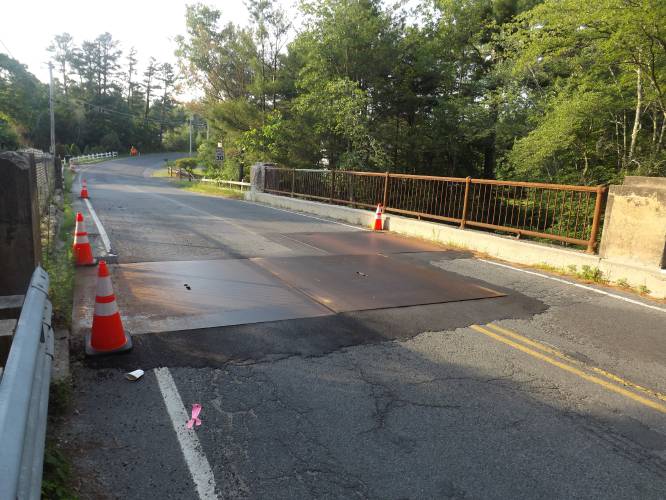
95, 156
182, 173
231, 184
558, 212
24, 395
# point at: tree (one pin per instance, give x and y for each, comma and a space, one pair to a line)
270, 29
167, 76
107, 65
62, 49
594, 75
23, 105
219, 60
148, 83
131, 71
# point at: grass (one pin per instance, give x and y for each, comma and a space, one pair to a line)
587, 273
593, 275
162, 172
200, 187
57, 475
58, 262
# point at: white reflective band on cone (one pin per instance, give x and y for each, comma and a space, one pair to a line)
104, 286
106, 309
79, 240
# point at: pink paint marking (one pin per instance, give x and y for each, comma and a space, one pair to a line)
195, 420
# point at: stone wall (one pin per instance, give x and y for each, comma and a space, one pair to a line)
20, 236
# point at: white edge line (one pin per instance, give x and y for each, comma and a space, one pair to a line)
196, 460
578, 285
100, 227
304, 215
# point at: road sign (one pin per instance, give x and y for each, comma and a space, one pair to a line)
219, 154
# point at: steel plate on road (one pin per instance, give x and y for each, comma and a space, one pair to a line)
184, 295
364, 243
360, 282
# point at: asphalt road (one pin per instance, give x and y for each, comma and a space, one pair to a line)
549, 391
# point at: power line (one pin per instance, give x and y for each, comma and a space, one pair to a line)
7, 49
130, 115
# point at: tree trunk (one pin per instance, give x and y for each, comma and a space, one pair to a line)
489, 159
637, 117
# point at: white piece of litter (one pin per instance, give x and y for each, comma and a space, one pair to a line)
135, 375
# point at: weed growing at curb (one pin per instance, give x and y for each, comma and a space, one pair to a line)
57, 476
593, 274
58, 263
623, 283
199, 187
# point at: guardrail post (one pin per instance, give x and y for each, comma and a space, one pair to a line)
293, 181
332, 185
386, 188
463, 219
596, 219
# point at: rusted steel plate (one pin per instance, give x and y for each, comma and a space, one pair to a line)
359, 282
364, 243
183, 295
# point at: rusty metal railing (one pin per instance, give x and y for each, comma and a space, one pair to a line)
565, 213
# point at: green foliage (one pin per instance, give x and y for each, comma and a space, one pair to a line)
590, 79
623, 283
23, 105
9, 136
206, 188
592, 274
187, 164
559, 90
97, 106
57, 474
58, 262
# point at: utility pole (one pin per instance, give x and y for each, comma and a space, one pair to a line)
190, 135
52, 146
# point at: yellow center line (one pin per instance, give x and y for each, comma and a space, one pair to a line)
600, 371
575, 371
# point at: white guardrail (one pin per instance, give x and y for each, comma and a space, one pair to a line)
231, 184
95, 156
24, 395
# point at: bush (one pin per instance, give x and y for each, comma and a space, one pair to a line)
187, 164
110, 142
9, 137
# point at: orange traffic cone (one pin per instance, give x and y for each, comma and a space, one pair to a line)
84, 190
378, 218
107, 335
83, 255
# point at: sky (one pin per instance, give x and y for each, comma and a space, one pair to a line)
148, 25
